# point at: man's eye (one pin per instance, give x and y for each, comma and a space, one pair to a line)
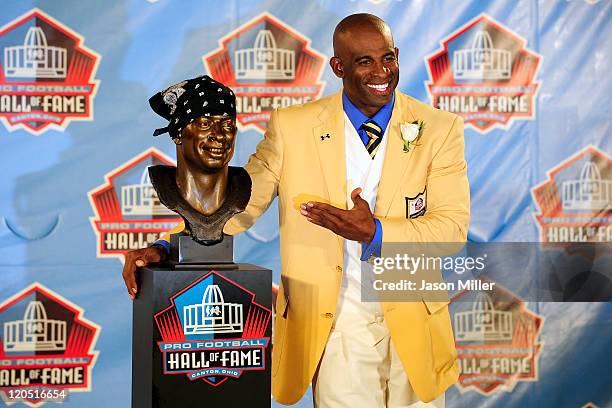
364, 62
204, 124
390, 58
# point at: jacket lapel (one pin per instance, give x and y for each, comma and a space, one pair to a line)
328, 138
396, 160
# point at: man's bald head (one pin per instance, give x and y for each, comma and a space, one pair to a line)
356, 23
365, 58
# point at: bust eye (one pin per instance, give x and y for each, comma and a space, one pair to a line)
204, 124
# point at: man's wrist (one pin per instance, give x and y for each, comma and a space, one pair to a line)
371, 233
164, 244
164, 249
373, 247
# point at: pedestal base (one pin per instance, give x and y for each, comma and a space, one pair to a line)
184, 250
182, 355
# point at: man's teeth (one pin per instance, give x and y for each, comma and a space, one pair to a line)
214, 150
380, 87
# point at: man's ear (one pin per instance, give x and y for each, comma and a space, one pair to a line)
176, 140
336, 65
396, 53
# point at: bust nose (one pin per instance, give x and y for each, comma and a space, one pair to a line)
218, 135
216, 132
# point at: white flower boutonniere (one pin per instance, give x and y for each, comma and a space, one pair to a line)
411, 132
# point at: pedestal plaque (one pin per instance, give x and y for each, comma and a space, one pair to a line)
201, 332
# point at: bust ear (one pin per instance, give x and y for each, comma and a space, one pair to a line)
176, 140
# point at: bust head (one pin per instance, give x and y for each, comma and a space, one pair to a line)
207, 143
202, 123
203, 189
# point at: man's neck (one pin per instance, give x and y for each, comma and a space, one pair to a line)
357, 117
205, 192
369, 111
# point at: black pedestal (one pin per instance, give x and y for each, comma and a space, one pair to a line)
187, 317
186, 251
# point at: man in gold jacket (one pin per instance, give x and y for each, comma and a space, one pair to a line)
302, 160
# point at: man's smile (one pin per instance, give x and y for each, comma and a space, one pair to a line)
379, 89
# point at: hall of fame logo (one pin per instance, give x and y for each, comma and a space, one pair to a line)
497, 340
269, 65
128, 213
46, 344
575, 201
213, 330
484, 73
46, 74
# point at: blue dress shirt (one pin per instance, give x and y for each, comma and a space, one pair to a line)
357, 118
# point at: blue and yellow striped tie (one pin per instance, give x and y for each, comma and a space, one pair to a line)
374, 132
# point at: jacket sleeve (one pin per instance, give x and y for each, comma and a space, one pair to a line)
448, 198
264, 167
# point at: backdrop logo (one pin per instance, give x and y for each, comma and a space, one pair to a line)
128, 213
46, 344
484, 73
497, 341
575, 202
46, 74
213, 330
269, 65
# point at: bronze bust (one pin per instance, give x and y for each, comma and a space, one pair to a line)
203, 189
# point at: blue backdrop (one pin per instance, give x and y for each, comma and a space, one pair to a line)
527, 76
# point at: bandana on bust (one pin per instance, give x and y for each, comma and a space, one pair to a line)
186, 101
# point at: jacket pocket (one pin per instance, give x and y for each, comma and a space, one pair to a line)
433, 306
441, 332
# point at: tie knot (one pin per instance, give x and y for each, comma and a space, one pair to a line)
371, 126
374, 132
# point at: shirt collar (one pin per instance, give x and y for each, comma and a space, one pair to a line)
382, 117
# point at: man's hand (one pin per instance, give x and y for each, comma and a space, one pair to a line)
356, 224
138, 259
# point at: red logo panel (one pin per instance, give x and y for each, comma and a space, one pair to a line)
46, 344
46, 74
269, 65
484, 73
128, 213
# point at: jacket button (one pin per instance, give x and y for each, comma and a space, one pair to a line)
338, 269
328, 315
